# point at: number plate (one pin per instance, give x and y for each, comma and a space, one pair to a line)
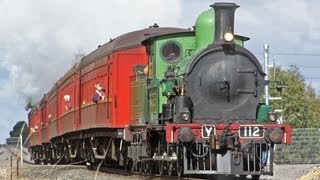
250, 131
207, 130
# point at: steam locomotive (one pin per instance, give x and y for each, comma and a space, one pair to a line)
175, 101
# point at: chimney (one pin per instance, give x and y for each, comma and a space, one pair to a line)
224, 20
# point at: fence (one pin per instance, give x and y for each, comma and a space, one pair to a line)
305, 148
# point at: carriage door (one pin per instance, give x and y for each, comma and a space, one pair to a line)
109, 95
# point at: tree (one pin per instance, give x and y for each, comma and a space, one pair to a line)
314, 106
17, 128
299, 100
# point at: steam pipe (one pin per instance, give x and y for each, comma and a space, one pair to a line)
224, 19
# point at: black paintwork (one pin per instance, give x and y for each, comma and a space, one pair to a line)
224, 85
224, 19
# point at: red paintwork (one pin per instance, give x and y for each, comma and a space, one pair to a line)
52, 115
66, 112
34, 124
92, 115
43, 118
32, 135
77, 100
123, 69
39, 123
172, 130
113, 72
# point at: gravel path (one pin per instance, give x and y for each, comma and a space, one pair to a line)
63, 172
67, 172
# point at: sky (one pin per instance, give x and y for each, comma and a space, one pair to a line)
40, 40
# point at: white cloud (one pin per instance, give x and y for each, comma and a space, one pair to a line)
39, 39
285, 24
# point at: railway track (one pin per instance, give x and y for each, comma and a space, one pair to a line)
78, 170
143, 175
95, 172
123, 172
106, 171
98, 170
53, 168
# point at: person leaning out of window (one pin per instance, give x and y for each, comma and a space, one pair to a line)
99, 93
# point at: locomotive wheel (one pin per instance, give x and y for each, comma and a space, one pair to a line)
170, 168
146, 168
66, 156
37, 161
153, 167
243, 176
135, 165
89, 166
161, 168
141, 167
128, 165
179, 169
92, 158
255, 177
51, 161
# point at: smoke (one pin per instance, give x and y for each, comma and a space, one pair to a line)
40, 40
29, 104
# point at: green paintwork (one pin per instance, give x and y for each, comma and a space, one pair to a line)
205, 29
239, 42
160, 65
187, 43
168, 88
263, 111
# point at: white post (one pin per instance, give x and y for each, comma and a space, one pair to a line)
266, 78
21, 152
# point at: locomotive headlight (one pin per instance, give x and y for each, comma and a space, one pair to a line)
272, 116
228, 36
185, 116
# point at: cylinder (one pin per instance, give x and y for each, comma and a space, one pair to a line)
183, 105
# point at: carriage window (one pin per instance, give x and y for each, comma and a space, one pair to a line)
171, 51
